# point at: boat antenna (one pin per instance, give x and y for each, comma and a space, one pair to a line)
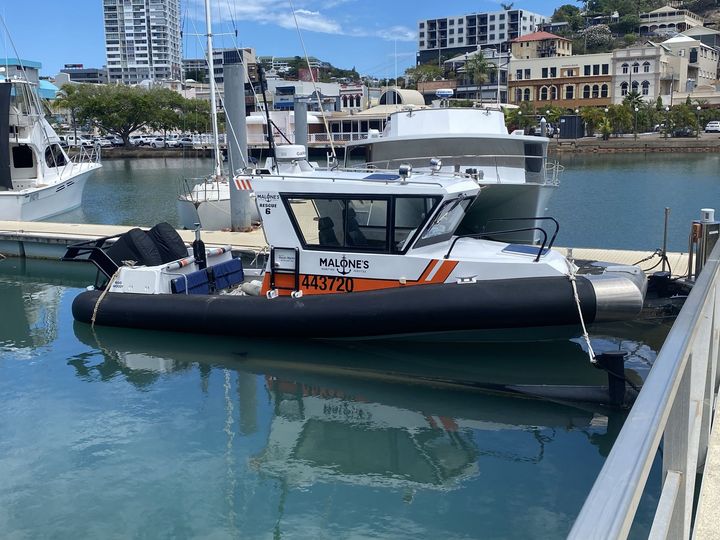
270, 139
213, 99
312, 78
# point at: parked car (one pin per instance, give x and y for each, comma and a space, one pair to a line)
137, 140
683, 132
186, 142
114, 140
712, 126
80, 140
102, 142
162, 142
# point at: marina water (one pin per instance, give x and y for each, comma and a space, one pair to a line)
121, 433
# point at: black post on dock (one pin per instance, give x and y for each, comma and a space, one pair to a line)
614, 364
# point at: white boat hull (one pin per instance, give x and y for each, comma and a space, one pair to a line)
44, 202
211, 215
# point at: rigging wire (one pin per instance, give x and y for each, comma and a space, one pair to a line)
312, 78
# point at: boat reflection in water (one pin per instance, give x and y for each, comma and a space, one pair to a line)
238, 437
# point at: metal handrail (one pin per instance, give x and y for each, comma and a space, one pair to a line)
541, 249
675, 405
537, 218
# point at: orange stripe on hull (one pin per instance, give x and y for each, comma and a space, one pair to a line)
325, 284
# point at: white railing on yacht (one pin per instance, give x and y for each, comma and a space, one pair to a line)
675, 406
84, 155
492, 167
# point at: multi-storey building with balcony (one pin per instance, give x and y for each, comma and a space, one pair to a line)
194, 66
540, 45
668, 20
446, 37
702, 61
142, 40
562, 81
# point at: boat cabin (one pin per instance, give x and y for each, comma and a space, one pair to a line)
366, 230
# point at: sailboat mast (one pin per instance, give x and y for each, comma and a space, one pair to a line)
213, 97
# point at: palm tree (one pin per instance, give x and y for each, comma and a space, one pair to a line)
479, 69
632, 100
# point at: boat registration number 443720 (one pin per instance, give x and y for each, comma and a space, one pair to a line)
328, 283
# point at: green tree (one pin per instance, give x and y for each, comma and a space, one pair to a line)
120, 110
632, 100
620, 118
197, 75
169, 107
195, 116
478, 69
593, 117
424, 73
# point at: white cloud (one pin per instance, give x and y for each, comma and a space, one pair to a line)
308, 13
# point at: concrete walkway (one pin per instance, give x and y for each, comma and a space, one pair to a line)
707, 519
42, 239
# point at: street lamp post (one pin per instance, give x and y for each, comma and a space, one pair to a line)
547, 116
697, 131
667, 120
636, 111
520, 121
577, 111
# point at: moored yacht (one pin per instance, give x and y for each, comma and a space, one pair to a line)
37, 177
355, 254
513, 167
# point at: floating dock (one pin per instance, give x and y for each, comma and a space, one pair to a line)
48, 240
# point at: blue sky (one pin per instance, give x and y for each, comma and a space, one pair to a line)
364, 34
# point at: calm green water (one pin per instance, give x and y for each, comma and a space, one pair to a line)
129, 434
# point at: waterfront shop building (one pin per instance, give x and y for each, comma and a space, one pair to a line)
651, 71
540, 45
446, 37
198, 70
562, 81
142, 40
668, 20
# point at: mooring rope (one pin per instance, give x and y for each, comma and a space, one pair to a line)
101, 297
585, 335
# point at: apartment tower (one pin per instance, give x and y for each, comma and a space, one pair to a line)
142, 40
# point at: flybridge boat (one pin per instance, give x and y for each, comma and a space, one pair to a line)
513, 167
354, 254
37, 178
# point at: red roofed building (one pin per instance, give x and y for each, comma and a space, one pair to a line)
540, 45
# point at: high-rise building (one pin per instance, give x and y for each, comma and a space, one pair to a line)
142, 40
445, 37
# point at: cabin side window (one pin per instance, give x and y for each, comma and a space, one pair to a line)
339, 223
22, 157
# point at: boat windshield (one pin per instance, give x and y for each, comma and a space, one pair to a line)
447, 220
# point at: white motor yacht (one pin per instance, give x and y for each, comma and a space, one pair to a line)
37, 177
512, 167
